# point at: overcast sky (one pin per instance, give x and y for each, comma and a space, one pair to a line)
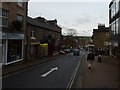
82, 16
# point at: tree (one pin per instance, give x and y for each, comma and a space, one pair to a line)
71, 32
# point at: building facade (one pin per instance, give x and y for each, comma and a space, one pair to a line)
114, 24
13, 25
76, 41
101, 39
43, 36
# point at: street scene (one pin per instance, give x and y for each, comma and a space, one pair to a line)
63, 44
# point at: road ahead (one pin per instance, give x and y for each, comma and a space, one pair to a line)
53, 74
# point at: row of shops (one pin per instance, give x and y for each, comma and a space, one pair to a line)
13, 49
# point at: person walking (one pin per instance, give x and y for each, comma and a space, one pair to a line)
90, 59
99, 58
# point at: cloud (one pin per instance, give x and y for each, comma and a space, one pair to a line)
84, 19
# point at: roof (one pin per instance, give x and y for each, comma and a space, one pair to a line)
42, 24
101, 30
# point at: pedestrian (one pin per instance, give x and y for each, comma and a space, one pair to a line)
90, 59
99, 58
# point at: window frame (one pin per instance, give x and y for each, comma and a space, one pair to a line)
18, 15
4, 14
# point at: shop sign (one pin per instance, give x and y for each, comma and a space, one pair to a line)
116, 44
12, 36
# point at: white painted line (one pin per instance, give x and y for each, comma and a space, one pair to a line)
73, 75
47, 73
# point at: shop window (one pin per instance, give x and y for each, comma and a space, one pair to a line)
14, 50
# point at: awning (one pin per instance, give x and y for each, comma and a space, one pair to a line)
11, 36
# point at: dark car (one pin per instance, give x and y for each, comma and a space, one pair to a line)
76, 52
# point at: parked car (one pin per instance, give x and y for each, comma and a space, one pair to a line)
62, 52
76, 52
66, 51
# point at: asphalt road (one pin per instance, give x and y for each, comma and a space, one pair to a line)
53, 74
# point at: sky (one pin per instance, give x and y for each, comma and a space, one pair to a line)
82, 16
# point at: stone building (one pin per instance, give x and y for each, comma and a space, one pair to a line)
101, 39
13, 25
41, 32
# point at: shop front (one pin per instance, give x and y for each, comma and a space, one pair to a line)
12, 48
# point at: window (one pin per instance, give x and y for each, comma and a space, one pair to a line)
20, 3
3, 17
20, 18
117, 24
114, 8
117, 6
107, 33
32, 35
112, 28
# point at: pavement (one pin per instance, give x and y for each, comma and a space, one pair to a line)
103, 75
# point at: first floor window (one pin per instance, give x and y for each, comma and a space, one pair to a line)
3, 17
20, 18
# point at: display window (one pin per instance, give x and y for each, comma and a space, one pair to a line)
14, 50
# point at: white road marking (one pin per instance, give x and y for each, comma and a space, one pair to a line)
74, 74
47, 73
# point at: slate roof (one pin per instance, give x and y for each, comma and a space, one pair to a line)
43, 24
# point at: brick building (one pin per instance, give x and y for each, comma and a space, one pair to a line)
41, 31
13, 25
114, 24
101, 39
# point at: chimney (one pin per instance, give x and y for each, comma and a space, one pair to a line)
101, 26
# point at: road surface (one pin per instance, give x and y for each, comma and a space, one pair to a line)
53, 74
